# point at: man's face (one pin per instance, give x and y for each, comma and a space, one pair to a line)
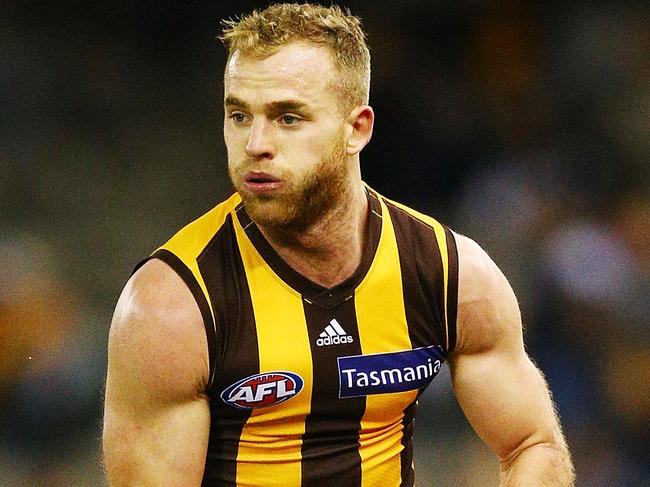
284, 131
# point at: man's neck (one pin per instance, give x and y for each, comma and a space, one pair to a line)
331, 249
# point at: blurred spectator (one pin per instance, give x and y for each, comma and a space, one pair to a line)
50, 366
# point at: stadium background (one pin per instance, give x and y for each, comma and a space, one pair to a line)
523, 124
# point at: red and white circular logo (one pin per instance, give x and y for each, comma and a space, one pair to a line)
263, 390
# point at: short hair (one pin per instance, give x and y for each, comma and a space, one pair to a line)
261, 33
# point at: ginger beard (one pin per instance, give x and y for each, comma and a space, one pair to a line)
299, 203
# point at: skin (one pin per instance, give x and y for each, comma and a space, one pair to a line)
157, 417
259, 138
503, 395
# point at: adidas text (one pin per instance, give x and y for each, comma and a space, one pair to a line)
335, 340
333, 334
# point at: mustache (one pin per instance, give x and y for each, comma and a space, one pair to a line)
247, 165
247, 172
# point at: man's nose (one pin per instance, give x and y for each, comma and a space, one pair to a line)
259, 145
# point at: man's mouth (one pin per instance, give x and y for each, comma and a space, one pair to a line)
261, 182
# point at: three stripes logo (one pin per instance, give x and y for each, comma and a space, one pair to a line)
334, 334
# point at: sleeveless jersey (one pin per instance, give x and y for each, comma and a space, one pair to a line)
312, 386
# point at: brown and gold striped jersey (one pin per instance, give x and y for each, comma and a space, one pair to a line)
312, 386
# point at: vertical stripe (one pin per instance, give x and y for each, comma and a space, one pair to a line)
283, 346
382, 328
237, 355
422, 264
452, 289
446, 246
442, 246
330, 450
424, 272
408, 474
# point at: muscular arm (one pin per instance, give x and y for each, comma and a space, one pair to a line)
156, 417
502, 393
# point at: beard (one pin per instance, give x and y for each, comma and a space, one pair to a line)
299, 204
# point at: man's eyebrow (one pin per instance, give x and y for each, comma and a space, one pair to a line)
275, 107
287, 105
233, 101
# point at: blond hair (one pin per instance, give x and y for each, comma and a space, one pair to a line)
261, 33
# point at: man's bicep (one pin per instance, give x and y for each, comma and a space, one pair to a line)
505, 399
502, 393
156, 417
165, 447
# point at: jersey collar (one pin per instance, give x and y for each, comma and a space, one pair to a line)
311, 291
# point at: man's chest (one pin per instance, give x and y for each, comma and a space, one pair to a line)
304, 357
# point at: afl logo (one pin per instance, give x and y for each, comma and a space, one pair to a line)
262, 390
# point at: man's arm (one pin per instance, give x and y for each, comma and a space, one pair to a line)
156, 416
503, 395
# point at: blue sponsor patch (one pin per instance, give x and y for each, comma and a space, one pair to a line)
381, 373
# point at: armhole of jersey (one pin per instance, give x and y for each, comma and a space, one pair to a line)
192, 284
452, 289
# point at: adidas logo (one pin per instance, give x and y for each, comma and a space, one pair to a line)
334, 334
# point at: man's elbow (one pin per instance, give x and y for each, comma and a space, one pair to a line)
539, 463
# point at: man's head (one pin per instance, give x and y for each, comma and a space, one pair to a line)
262, 33
293, 134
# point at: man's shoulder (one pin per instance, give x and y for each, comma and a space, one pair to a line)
156, 293
487, 306
199, 231
418, 233
407, 213
157, 332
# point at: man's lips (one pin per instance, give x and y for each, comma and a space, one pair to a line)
261, 182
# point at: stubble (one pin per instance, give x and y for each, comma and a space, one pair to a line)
304, 202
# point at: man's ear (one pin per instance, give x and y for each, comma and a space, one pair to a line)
360, 122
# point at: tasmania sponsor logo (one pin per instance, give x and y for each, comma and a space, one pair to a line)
262, 390
362, 375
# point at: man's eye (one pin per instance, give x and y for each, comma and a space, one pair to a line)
288, 119
238, 117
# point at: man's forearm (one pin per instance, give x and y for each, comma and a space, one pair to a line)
541, 465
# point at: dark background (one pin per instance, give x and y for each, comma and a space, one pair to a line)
525, 125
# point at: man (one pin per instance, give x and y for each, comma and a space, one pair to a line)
284, 337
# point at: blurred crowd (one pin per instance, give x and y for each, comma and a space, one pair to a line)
525, 125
